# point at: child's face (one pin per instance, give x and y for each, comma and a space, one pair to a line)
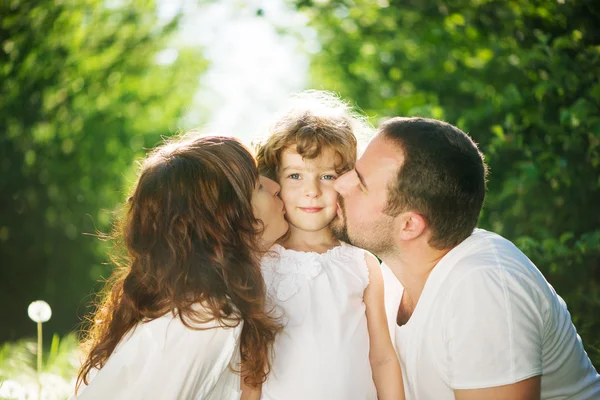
307, 189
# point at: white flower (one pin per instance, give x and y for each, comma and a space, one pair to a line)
10, 389
54, 387
39, 311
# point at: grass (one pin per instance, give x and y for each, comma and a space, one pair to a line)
19, 378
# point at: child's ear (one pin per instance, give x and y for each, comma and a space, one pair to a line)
409, 225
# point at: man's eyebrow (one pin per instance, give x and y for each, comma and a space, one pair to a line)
360, 177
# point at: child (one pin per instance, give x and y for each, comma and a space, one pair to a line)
336, 342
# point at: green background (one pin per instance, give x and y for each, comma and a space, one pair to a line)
81, 97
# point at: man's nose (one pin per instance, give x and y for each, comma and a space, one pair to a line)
341, 184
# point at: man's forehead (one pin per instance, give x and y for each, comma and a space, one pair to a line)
381, 155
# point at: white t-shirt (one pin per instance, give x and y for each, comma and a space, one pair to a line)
323, 351
163, 359
487, 317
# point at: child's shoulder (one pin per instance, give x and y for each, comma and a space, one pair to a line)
362, 261
359, 252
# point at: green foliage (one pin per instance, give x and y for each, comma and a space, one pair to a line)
18, 375
523, 78
81, 98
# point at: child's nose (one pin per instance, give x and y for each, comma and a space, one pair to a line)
311, 188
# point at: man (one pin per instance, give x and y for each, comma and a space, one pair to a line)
475, 319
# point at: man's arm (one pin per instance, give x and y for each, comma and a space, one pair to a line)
492, 325
385, 367
528, 389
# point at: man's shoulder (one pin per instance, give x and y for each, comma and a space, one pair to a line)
482, 242
488, 259
489, 277
488, 250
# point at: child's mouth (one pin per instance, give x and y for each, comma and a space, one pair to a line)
311, 209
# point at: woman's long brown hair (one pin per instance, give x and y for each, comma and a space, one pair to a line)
190, 238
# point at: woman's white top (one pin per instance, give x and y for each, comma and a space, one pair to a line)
323, 350
163, 359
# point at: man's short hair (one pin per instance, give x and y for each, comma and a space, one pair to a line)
443, 177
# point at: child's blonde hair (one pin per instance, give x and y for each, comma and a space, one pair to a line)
315, 121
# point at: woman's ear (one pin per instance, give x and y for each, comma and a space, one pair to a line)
409, 225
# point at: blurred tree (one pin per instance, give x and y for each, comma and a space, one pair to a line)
84, 88
523, 78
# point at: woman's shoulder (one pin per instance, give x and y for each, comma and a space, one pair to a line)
174, 330
166, 352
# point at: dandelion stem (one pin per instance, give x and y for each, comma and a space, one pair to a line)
39, 348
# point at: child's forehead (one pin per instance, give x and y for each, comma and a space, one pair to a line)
328, 158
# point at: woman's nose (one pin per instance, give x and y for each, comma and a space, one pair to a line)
276, 188
272, 186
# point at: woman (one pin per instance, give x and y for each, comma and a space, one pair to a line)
185, 315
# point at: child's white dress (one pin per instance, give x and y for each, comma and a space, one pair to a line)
323, 351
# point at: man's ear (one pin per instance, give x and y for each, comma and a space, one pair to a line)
409, 225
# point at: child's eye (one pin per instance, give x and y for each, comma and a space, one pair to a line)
329, 177
294, 176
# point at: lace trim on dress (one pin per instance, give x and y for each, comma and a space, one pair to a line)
284, 276
286, 271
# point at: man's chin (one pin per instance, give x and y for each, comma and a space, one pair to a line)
340, 230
